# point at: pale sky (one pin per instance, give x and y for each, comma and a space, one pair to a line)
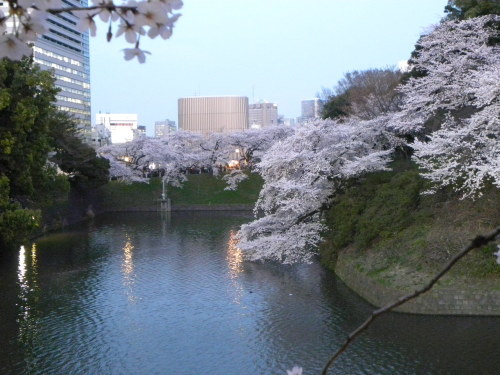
282, 51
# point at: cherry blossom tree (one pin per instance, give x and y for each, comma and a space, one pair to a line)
253, 143
26, 19
301, 175
454, 108
183, 150
172, 155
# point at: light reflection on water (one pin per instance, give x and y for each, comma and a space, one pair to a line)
234, 256
234, 260
150, 294
27, 303
128, 270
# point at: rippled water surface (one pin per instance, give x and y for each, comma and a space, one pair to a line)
146, 294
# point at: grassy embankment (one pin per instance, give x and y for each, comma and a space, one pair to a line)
201, 189
391, 232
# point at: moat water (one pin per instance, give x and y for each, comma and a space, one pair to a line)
145, 294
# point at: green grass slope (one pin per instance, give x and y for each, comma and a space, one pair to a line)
200, 189
399, 237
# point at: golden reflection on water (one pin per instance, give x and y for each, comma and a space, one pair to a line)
234, 256
128, 269
33, 257
234, 260
128, 263
28, 296
21, 268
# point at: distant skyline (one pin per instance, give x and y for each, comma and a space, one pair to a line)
280, 51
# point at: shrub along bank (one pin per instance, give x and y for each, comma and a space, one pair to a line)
391, 235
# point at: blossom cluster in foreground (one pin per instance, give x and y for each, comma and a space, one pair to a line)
23, 21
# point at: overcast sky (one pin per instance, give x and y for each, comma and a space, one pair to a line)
282, 51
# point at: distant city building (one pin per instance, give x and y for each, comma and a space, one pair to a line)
163, 128
311, 109
216, 114
65, 50
262, 114
288, 122
100, 136
140, 132
123, 127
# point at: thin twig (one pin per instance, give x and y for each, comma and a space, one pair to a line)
479, 241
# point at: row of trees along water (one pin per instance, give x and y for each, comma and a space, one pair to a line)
443, 112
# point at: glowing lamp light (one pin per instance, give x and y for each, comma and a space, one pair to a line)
233, 163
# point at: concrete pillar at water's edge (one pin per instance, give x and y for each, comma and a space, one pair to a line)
165, 205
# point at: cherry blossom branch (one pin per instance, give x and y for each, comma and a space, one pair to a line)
475, 243
30, 18
109, 8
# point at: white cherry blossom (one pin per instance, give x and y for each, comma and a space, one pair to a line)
86, 22
301, 175
27, 20
13, 48
33, 25
107, 10
130, 31
164, 31
459, 95
130, 53
150, 14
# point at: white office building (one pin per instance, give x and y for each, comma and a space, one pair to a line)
311, 109
163, 128
262, 114
100, 136
122, 126
140, 133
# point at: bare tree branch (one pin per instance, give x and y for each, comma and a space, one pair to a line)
478, 241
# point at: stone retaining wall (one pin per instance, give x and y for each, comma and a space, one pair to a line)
440, 300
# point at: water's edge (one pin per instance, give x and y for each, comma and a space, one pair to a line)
473, 300
450, 300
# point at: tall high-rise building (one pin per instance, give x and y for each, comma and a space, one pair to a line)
311, 109
123, 126
162, 128
262, 114
65, 50
214, 114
